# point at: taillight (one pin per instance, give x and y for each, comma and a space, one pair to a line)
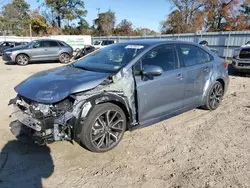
226, 65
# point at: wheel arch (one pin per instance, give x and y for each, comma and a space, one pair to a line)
95, 100
222, 82
64, 53
209, 84
22, 53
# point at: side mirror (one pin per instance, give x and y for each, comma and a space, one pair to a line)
152, 70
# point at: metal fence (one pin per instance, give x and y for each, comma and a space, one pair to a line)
224, 42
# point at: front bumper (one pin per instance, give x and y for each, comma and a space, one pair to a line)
8, 57
241, 64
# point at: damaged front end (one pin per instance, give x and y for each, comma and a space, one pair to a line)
46, 122
64, 120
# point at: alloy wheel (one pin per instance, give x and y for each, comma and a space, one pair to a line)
107, 129
22, 60
216, 96
64, 58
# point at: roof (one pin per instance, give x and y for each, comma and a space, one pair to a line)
47, 39
155, 42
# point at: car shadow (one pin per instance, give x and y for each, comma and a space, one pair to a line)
24, 164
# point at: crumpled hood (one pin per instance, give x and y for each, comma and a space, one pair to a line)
53, 85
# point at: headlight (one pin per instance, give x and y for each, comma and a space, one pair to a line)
8, 53
236, 52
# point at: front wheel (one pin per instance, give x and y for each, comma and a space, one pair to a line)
22, 59
104, 128
64, 58
214, 96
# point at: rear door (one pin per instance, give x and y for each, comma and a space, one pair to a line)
160, 95
53, 50
198, 68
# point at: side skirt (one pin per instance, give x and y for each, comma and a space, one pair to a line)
164, 117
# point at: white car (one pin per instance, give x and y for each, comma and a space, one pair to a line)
102, 43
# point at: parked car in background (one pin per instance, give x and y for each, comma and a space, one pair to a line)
39, 50
102, 43
10, 44
121, 87
241, 59
77, 42
84, 51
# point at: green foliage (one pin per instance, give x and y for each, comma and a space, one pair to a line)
15, 17
105, 23
66, 9
125, 28
38, 24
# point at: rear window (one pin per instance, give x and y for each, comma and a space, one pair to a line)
18, 43
53, 44
61, 43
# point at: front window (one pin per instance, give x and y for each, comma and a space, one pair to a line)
97, 42
30, 44
110, 59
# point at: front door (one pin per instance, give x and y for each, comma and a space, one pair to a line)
160, 95
39, 51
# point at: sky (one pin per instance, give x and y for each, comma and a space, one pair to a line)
142, 13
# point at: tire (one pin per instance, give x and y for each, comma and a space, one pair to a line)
214, 97
64, 58
98, 135
22, 60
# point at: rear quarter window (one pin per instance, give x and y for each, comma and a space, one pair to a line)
61, 43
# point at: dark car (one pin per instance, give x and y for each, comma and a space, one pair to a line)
241, 58
8, 44
121, 87
39, 50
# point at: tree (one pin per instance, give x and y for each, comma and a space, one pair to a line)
124, 28
38, 24
245, 8
16, 16
105, 23
144, 32
187, 12
218, 13
174, 23
66, 9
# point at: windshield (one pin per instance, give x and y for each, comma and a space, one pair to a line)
97, 42
110, 59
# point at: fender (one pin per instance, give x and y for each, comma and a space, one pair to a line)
104, 97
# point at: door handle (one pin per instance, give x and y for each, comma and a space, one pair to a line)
179, 77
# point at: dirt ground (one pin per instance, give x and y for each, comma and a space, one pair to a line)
196, 149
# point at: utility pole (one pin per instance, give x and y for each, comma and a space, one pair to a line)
30, 32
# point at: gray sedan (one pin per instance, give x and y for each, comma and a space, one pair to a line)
39, 50
122, 87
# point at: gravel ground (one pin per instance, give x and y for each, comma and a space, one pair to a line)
196, 149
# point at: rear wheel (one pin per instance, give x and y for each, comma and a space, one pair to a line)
22, 59
214, 96
104, 128
64, 58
